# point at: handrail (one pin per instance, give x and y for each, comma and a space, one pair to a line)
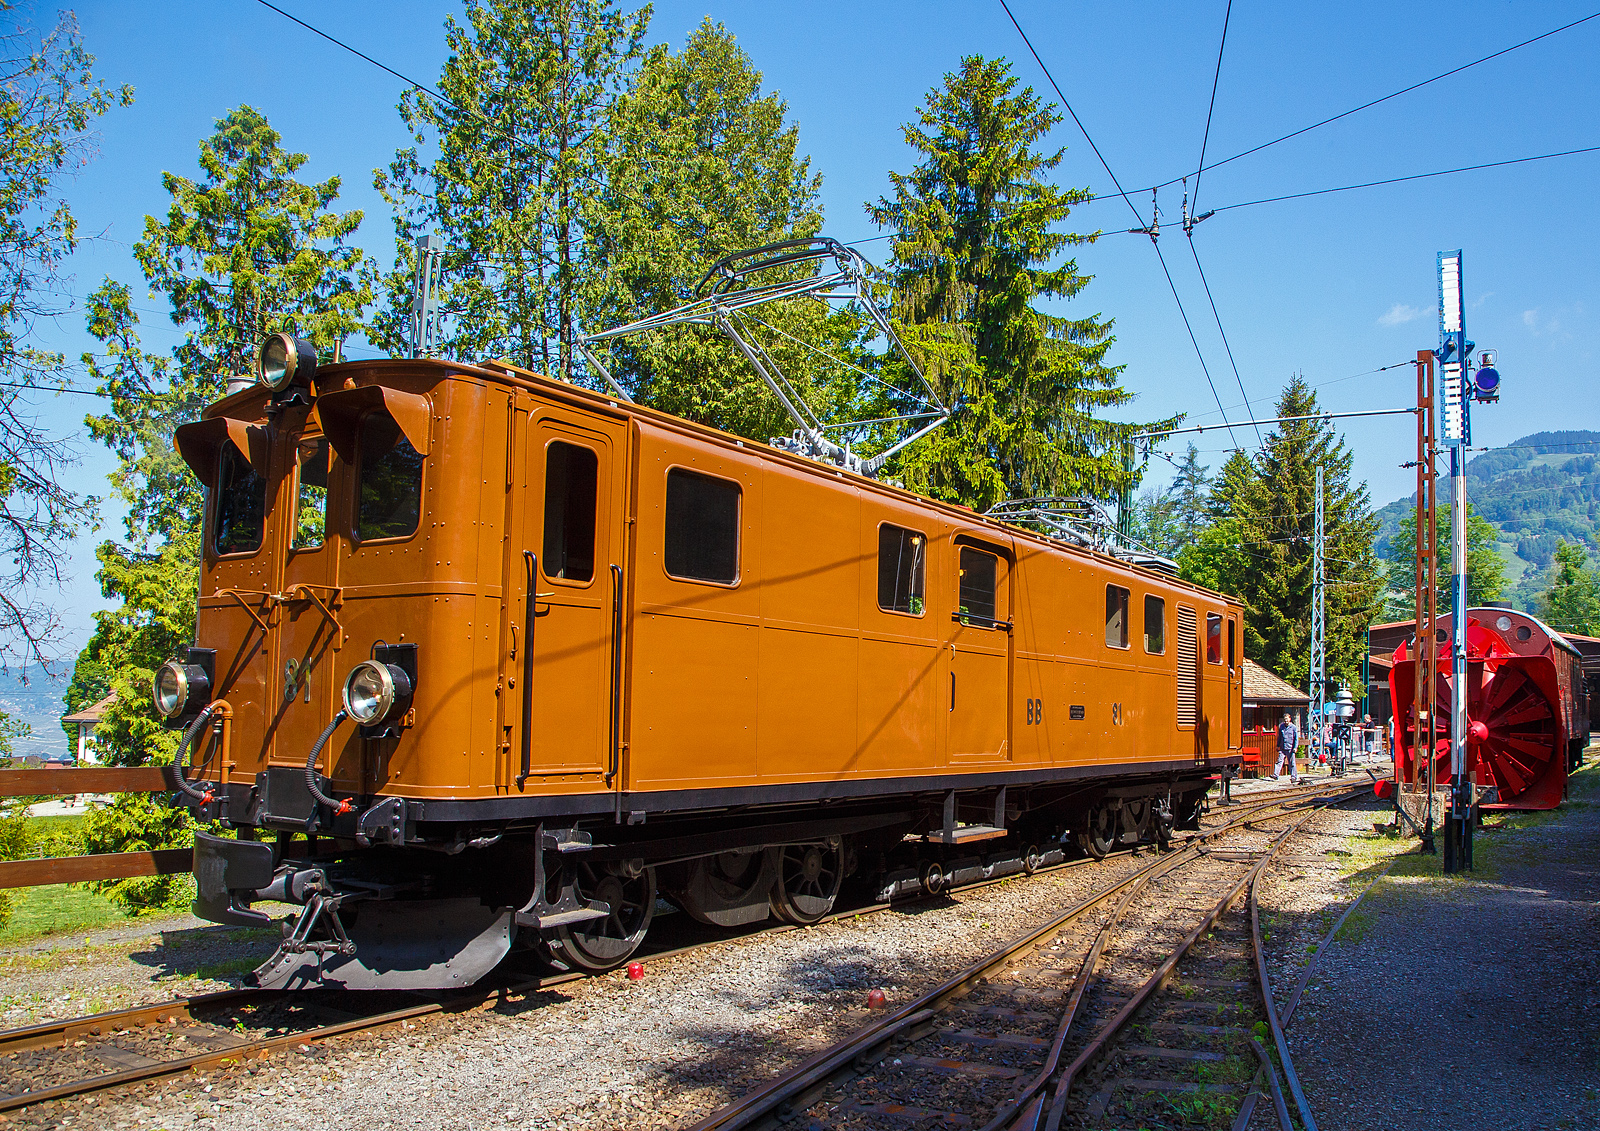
238, 595
305, 592
613, 763
532, 561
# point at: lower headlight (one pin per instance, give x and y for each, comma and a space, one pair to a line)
178, 688
374, 692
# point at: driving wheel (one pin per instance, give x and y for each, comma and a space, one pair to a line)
601, 944
1100, 834
808, 881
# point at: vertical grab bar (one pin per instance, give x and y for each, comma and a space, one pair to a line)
532, 561
612, 764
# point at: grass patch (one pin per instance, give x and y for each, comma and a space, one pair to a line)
55, 909
228, 968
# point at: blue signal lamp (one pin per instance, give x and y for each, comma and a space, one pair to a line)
1486, 379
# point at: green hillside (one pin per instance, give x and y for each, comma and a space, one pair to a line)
1538, 491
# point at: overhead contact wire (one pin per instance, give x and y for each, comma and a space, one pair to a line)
1188, 225
1385, 98
1104, 164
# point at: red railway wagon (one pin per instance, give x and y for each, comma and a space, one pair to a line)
1527, 709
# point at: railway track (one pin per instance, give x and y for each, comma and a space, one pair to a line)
1139, 1005
59, 1059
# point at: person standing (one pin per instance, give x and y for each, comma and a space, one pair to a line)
1288, 744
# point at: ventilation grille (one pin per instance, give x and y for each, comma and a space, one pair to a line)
1188, 668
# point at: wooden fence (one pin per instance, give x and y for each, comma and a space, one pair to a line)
66, 782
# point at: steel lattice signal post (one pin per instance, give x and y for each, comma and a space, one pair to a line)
1319, 642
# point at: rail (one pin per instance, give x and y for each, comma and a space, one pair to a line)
98, 1027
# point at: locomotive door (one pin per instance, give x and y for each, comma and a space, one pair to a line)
573, 544
980, 654
1235, 683
302, 686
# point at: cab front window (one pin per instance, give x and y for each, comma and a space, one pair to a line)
389, 481
241, 505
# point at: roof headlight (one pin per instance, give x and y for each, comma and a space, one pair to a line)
284, 360
179, 688
375, 692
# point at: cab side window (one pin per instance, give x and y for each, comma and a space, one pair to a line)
702, 527
1116, 616
571, 474
241, 507
1155, 625
979, 571
389, 481
901, 556
1213, 638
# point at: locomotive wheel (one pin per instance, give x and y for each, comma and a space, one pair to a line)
1100, 834
808, 882
1137, 817
602, 944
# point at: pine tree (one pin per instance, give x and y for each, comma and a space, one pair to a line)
1260, 547
519, 151
699, 162
244, 251
975, 225
49, 99
1572, 603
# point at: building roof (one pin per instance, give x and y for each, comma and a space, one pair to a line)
92, 714
1261, 685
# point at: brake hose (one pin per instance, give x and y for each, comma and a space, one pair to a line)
178, 777
311, 771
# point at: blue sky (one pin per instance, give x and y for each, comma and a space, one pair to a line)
1332, 286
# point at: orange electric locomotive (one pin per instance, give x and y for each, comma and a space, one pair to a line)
485, 660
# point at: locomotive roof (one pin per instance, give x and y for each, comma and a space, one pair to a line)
254, 401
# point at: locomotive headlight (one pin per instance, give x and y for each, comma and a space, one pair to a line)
178, 687
285, 360
375, 692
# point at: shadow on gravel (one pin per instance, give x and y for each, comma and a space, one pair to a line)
218, 952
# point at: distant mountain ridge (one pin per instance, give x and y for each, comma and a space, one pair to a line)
38, 700
1537, 492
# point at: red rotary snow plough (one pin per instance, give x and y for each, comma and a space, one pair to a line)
1527, 710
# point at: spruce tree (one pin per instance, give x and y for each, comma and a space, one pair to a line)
515, 155
1260, 546
976, 245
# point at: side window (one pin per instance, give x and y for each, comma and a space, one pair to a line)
389, 483
571, 474
1116, 616
1233, 643
241, 510
978, 573
901, 556
1155, 625
702, 527
1213, 638
311, 520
